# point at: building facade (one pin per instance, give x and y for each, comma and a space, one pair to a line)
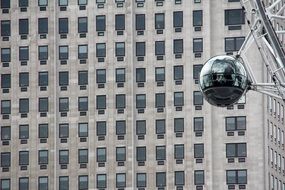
105, 95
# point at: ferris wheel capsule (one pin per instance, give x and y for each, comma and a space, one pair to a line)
223, 80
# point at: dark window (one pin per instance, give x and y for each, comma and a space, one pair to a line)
234, 17
178, 125
101, 75
235, 123
43, 2
179, 178
24, 158
82, 156
100, 23
140, 48
6, 81
120, 101
5, 133
23, 79
43, 131
159, 100
120, 154
5, 184
160, 126
120, 75
63, 130
140, 75
178, 19
141, 179
23, 3
43, 25
101, 154
101, 181
160, 48
43, 52
43, 78
83, 182
63, 25
83, 129
196, 71
198, 150
23, 26
159, 74
120, 49
101, 128
5, 28
197, 45
140, 101
178, 98
236, 150
178, 72
160, 152
63, 183
43, 183
198, 18
159, 21
82, 52
63, 2
82, 77
5, 107
120, 22
141, 127
43, 104
140, 21
101, 102
141, 154
63, 52
23, 131
5, 4
43, 157
199, 177
100, 50
198, 98
160, 179
24, 105
179, 151
178, 46
198, 124
236, 176
63, 156
82, 25
5, 54
23, 183
24, 53
233, 44
121, 127
120, 180
63, 104
5, 159
63, 78
82, 103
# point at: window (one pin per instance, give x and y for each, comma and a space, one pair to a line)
179, 178
5, 184
5, 159
5, 54
101, 154
43, 25
83, 104
159, 74
23, 183
178, 46
63, 104
43, 78
101, 128
198, 124
235, 123
140, 75
43, 2
178, 72
159, 21
178, 125
140, 101
43, 130
63, 78
160, 153
120, 75
100, 23
236, 177
63, 52
179, 151
82, 77
23, 3
23, 53
160, 179
82, 2
5, 28
24, 158
101, 102
141, 154
63, 2
83, 129
82, 156
23, 26
198, 150
178, 98
23, 79
160, 126
141, 180
43, 183
197, 18
140, 49
43, 157
197, 45
63, 25
120, 22
100, 50
160, 48
43, 52
236, 150
43, 104
196, 71
23, 131
82, 52
120, 101
63, 182
120, 49
5, 133
5, 4
101, 181
101, 75
63, 156
234, 17
199, 177
120, 154
140, 21
82, 182
63, 130
120, 180
6, 81
121, 127
233, 43
5, 107
82, 25
178, 19
24, 105
141, 127
160, 100
198, 98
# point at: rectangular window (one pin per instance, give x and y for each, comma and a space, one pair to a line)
178, 19
63, 2
43, 104
43, 52
83, 103
140, 101
178, 46
82, 77
63, 52
101, 102
101, 181
178, 72
23, 131
198, 98
121, 127
159, 100
141, 180
63, 25
23, 53
43, 25
140, 21
64, 130
198, 150
83, 129
101, 75
5, 54
23, 3
43, 157
63, 78
63, 182
82, 182
178, 125
140, 75
63, 156
23, 183
120, 101
100, 23
236, 150
179, 178
233, 43
141, 127
198, 18
178, 98
235, 123
140, 49
101, 128
82, 52
43, 183
199, 177
160, 126
82, 25
100, 50
120, 49
179, 151
5, 159
236, 176
24, 158
160, 179
23, 26
63, 104
198, 124
24, 105
120, 154
82, 156
120, 22
160, 152
196, 71
160, 48
5, 28
24, 79
5, 133
120, 180
43, 3
43, 78
43, 131
5, 4
159, 21
197, 45
120, 75
141, 154
234, 17
6, 81
5, 184
159, 74
5, 107
101, 154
